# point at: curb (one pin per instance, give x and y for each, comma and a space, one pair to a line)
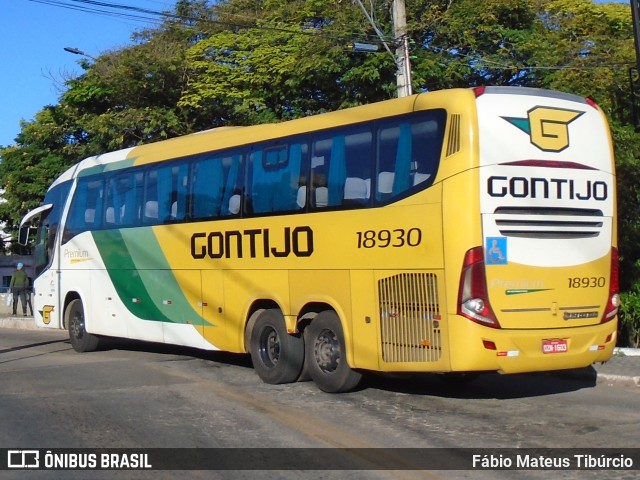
610, 377
627, 352
22, 323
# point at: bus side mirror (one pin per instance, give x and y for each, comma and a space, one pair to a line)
23, 235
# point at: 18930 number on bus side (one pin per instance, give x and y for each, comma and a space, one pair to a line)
398, 237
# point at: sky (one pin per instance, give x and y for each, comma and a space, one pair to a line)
33, 62
33, 36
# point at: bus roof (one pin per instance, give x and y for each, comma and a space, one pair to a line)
224, 137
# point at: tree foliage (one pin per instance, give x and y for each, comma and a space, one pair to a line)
241, 62
289, 59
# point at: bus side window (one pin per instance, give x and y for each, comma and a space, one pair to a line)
319, 186
86, 208
216, 186
122, 194
207, 188
111, 204
357, 187
408, 155
179, 192
394, 160
233, 184
150, 200
171, 201
341, 169
428, 137
277, 177
319, 191
132, 185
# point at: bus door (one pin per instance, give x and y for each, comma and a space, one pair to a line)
45, 299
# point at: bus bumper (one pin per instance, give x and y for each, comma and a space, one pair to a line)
478, 348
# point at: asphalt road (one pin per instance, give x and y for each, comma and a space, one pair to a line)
133, 395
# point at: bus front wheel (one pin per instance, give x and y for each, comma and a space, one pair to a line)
326, 355
277, 356
81, 340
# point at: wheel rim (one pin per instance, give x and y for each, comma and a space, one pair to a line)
77, 325
327, 351
269, 347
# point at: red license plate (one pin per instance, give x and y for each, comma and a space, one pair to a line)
555, 345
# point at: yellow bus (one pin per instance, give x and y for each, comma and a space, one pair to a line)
466, 230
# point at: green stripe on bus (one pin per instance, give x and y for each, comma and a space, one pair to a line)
142, 277
106, 167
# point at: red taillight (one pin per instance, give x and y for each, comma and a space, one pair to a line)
479, 91
613, 302
473, 299
591, 102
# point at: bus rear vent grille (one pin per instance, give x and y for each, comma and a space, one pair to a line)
548, 222
410, 318
453, 141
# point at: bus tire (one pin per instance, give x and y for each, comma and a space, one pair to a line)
326, 355
277, 356
81, 340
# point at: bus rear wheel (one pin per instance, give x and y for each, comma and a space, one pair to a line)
81, 340
277, 356
326, 355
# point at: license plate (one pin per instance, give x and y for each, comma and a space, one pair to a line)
555, 345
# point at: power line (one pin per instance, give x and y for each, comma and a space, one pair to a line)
481, 60
95, 9
156, 16
129, 12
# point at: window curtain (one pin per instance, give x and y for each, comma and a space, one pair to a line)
402, 180
337, 170
231, 183
165, 189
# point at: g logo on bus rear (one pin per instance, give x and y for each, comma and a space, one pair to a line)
548, 128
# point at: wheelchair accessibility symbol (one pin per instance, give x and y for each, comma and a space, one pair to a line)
496, 251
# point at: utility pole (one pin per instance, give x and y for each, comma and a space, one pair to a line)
401, 39
635, 16
633, 79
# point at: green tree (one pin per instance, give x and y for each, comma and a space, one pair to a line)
29, 167
130, 96
123, 98
468, 43
587, 49
284, 60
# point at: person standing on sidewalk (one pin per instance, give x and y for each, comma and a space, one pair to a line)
19, 285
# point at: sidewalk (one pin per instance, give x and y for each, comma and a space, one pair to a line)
624, 366
17, 321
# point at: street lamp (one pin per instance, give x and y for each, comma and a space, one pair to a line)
364, 47
76, 51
